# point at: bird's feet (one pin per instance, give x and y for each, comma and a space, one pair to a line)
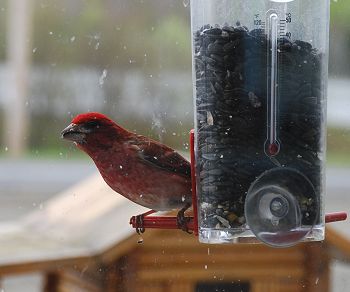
139, 223
182, 221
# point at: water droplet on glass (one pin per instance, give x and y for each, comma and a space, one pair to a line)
140, 240
103, 77
50, 33
41, 206
183, 198
205, 267
186, 3
121, 166
34, 50
317, 279
97, 45
6, 148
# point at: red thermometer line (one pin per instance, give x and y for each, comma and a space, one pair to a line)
272, 145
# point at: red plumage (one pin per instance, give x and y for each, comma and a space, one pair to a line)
143, 170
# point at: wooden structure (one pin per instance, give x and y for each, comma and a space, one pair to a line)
81, 241
175, 261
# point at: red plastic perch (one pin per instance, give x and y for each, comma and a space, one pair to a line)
170, 222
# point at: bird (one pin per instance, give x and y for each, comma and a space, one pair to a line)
141, 169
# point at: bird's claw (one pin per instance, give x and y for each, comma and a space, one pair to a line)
139, 224
182, 221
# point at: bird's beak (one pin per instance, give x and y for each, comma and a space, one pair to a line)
74, 133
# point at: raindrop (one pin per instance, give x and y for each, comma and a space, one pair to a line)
97, 45
121, 166
140, 240
317, 279
103, 77
6, 148
206, 267
174, 134
183, 198
41, 206
50, 33
34, 50
72, 39
186, 3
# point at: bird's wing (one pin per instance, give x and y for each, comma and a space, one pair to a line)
160, 155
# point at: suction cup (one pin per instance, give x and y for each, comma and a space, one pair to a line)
281, 207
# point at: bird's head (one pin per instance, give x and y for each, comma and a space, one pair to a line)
92, 130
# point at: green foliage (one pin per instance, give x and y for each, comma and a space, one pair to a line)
340, 13
338, 151
111, 34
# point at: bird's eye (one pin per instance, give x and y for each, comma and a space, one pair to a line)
91, 125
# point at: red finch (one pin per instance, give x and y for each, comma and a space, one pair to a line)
143, 170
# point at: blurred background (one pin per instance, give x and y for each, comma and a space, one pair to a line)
130, 59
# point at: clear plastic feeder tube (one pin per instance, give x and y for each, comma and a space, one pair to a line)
260, 82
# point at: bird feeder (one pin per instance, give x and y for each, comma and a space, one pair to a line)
260, 70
